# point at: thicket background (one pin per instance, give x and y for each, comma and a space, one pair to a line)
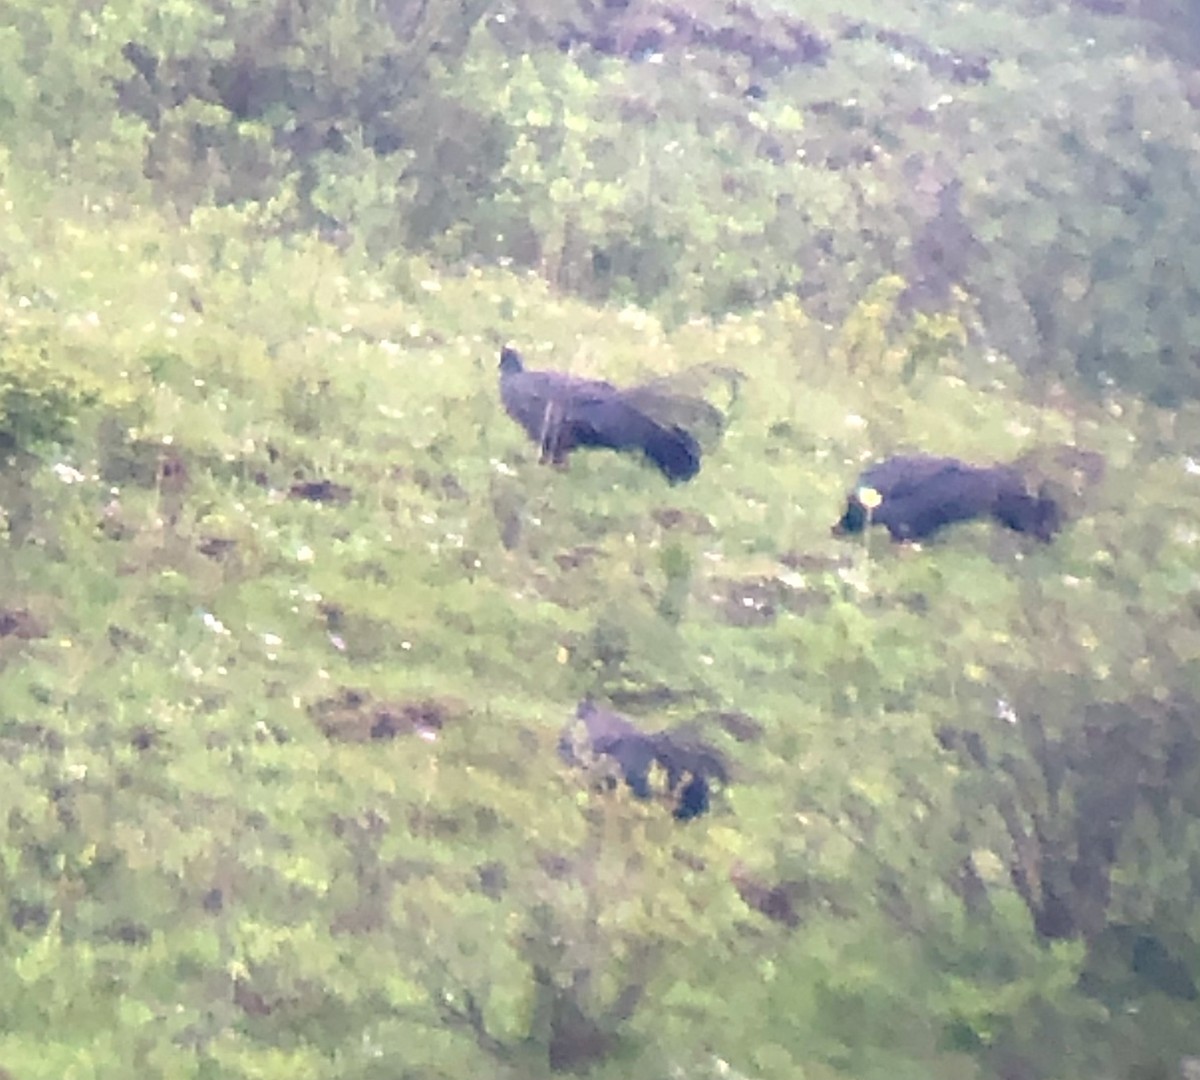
290, 618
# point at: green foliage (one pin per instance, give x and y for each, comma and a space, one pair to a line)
815, 171
40, 396
215, 785
289, 631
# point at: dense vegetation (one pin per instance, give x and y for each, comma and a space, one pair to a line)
290, 618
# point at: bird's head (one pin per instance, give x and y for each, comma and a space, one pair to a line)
510, 360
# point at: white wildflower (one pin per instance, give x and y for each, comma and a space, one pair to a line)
211, 622
67, 474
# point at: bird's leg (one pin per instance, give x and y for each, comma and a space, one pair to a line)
562, 447
547, 417
551, 426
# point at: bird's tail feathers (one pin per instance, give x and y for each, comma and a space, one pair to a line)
1064, 478
697, 382
1039, 515
1072, 467
675, 452
680, 400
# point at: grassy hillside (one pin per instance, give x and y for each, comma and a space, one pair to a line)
279, 784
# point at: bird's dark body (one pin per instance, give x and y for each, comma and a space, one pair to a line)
564, 412
689, 763
920, 494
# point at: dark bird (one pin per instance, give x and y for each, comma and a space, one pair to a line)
562, 412
689, 764
915, 495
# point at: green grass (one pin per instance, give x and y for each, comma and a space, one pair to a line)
201, 882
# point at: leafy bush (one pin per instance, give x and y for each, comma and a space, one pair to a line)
42, 394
